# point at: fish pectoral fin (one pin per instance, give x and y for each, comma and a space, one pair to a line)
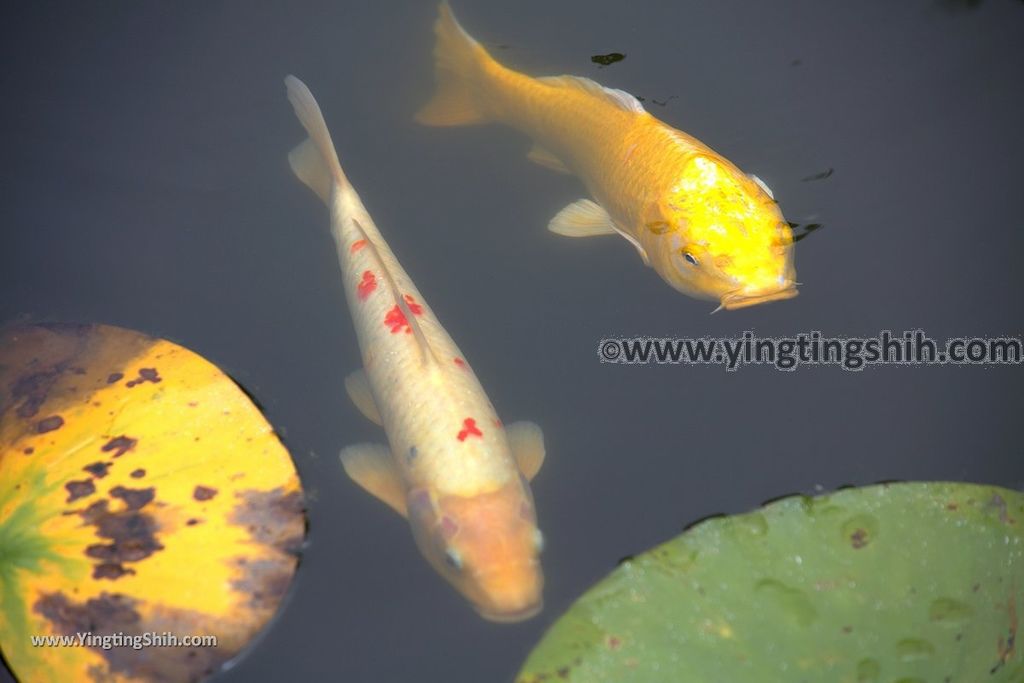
357, 384
539, 155
582, 218
639, 248
527, 442
371, 466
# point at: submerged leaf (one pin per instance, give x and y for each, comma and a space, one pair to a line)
896, 582
141, 493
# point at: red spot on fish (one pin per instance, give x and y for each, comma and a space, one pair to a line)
497, 423
395, 319
469, 428
458, 361
413, 306
367, 285
357, 245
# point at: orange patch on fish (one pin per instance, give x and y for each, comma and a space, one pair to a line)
357, 245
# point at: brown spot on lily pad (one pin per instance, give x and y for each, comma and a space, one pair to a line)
97, 469
272, 517
276, 520
106, 613
110, 570
202, 493
79, 489
33, 389
264, 581
150, 375
135, 499
132, 534
145, 375
93, 512
116, 614
49, 424
859, 538
119, 445
998, 504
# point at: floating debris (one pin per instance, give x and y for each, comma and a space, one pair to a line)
805, 228
660, 103
818, 176
608, 59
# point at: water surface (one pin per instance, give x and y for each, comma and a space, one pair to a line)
146, 186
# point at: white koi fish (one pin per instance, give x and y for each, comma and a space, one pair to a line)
451, 467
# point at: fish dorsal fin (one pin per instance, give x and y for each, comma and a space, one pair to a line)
357, 384
582, 218
762, 185
620, 98
539, 155
417, 332
371, 466
527, 443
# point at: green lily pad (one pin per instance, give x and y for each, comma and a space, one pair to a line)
895, 583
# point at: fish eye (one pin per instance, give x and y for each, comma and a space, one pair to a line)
690, 258
538, 540
453, 559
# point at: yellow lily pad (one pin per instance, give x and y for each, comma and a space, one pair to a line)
144, 500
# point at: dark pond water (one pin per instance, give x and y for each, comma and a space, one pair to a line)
145, 185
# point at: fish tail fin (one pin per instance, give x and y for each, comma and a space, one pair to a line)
458, 64
315, 161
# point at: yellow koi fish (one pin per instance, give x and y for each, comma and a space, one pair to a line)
709, 230
451, 468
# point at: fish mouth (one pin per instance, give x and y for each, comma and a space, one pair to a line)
511, 616
735, 300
